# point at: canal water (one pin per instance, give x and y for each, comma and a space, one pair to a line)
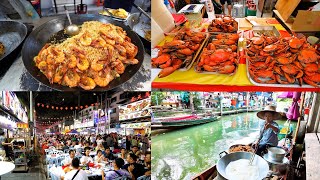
182, 154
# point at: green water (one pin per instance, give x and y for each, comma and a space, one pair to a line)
182, 154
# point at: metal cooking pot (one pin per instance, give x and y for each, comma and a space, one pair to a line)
276, 154
225, 160
12, 34
139, 24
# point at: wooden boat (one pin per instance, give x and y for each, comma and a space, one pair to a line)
173, 124
208, 174
189, 122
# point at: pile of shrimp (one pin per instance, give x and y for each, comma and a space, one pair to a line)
94, 57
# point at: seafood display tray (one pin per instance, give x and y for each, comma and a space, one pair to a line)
210, 38
296, 85
270, 30
186, 68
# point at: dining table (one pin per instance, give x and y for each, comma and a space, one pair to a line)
6, 167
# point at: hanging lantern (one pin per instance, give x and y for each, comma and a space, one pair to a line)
61, 108
86, 106
47, 106
81, 107
71, 108
38, 104
42, 105
57, 108
92, 104
66, 108
76, 107
52, 107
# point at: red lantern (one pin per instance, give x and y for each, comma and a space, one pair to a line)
52, 107
81, 107
38, 104
71, 108
76, 107
86, 106
66, 108
42, 105
47, 106
92, 104
57, 108
61, 108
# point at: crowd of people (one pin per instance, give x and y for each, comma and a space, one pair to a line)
130, 155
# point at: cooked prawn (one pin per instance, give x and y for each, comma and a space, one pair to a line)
82, 62
103, 78
132, 50
85, 39
42, 65
99, 43
72, 61
122, 50
59, 55
130, 61
97, 65
87, 83
118, 65
71, 78
60, 71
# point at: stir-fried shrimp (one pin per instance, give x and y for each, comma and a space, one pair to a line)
94, 57
87, 83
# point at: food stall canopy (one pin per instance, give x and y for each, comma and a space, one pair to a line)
286, 95
73, 132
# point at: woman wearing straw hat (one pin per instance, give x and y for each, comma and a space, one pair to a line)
269, 129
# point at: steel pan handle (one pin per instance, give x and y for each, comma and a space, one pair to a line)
225, 153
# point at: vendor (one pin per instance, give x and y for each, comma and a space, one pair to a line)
269, 130
116, 4
3, 143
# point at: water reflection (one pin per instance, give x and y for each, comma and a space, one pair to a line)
184, 153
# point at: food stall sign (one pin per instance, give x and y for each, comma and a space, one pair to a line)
135, 110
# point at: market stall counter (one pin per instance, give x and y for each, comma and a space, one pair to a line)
207, 81
14, 75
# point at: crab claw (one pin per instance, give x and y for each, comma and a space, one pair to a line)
311, 83
166, 71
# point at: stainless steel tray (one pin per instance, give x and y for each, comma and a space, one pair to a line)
295, 85
209, 39
268, 30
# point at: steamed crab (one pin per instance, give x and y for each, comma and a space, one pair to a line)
177, 53
217, 60
285, 61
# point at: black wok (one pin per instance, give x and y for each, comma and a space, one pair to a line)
40, 36
12, 33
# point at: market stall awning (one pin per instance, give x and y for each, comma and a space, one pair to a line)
286, 95
73, 132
